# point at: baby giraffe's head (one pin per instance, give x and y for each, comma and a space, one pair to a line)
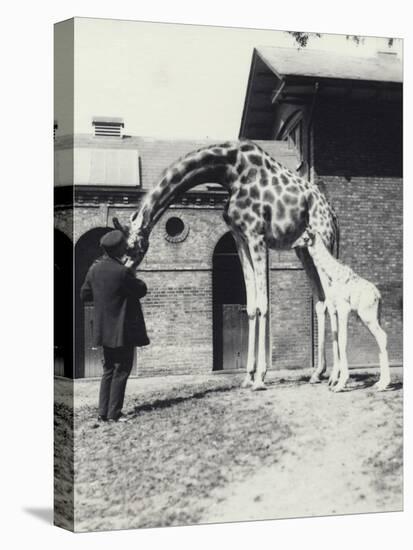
306, 240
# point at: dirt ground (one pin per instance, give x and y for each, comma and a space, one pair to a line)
202, 450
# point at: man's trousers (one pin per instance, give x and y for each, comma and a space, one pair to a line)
117, 367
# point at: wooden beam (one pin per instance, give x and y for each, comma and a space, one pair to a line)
292, 102
278, 92
269, 109
258, 125
267, 74
263, 91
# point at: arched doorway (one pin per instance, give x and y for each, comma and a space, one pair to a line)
88, 358
230, 320
63, 304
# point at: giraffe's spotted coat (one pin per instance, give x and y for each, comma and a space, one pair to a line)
290, 199
284, 179
268, 196
247, 147
255, 159
242, 165
264, 179
256, 207
248, 218
254, 192
242, 192
279, 209
250, 176
293, 189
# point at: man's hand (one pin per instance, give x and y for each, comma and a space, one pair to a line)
128, 263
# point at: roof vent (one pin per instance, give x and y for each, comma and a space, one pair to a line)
108, 126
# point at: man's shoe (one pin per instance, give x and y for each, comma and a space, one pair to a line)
120, 418
102, 418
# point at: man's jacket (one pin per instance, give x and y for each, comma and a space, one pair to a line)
118, 317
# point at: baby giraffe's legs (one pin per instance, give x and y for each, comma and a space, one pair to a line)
369, 316
343, 311
336, 358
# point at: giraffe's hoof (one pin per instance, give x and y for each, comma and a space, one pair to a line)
247, 382
332, 381
315, 378
259, 386
381, 385
338, 388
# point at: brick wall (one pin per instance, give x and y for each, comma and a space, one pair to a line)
205, 227
358, 158
178, 306
178, 314
290, 315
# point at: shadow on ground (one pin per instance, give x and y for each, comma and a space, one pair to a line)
362, 381
44, 514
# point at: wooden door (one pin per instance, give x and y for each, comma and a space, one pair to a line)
93, 356
235, 336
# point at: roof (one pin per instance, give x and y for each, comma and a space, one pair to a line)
286, 77
384, 67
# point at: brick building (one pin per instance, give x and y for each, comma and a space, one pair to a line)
339, 129
343, 117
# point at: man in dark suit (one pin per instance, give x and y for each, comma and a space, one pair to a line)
119, 325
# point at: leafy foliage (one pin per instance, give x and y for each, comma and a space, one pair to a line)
302, 38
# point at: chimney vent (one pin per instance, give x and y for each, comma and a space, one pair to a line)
108, 126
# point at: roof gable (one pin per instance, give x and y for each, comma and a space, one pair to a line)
385, 67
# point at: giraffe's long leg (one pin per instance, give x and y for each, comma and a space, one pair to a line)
342, 314
249, 278
320, 309
369, 316
334, 333
260, 264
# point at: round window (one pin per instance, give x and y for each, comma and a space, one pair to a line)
176, 230
174, 227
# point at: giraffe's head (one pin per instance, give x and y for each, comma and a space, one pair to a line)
136, 240
306, 240
138, 245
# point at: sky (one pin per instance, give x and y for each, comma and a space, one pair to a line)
174, 81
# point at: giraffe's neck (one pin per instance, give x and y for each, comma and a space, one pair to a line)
323, 260
215, 164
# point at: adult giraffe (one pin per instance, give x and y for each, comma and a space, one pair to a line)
268, 207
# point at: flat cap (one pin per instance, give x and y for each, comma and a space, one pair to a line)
112, 239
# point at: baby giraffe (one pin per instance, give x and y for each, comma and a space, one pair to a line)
345, 291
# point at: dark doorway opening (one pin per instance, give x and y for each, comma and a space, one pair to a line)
88, 360
230, 320
63, 305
